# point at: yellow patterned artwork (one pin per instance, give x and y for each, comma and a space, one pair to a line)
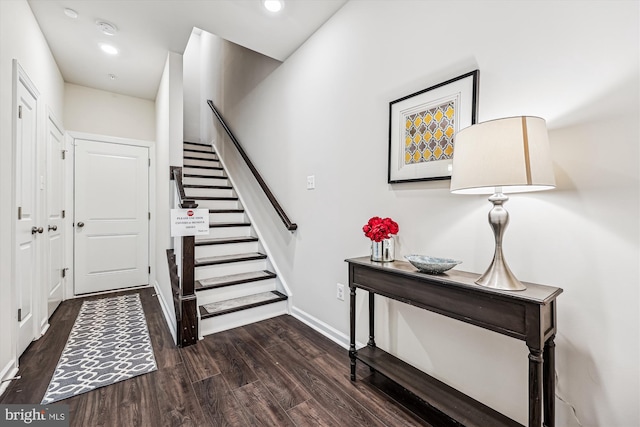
428, 134
422, 128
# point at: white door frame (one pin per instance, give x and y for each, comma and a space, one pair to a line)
69, 203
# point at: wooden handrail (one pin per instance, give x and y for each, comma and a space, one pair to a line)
176, 175
274, 202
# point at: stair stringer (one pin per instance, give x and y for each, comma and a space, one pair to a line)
271, 260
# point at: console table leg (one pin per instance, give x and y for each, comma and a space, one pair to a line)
535, 387
549, 378
372, 313
352, 331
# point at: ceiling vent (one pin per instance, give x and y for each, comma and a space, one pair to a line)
107, 28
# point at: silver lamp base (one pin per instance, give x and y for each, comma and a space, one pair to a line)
498, 275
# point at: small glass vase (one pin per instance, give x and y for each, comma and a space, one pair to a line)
383, 251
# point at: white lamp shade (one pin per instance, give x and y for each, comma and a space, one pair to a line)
512, 153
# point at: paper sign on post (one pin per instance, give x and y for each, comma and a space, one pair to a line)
189, 222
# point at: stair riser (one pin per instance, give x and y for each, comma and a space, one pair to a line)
207, 172
197, 147
203, 162
240, 318
230, 268
226, 249
217, 204
207, 156
205, 181
236, 291
227, 217
209, 192
230, 231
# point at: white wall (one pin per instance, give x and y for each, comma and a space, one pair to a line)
20, 38
227, 74
106, 113
168, 145
192, 92
324, 112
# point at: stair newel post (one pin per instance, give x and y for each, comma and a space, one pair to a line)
188, 304
186, 310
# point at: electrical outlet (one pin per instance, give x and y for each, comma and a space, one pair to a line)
340, 291
311, 182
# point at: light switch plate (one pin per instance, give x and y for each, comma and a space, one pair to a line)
311, 182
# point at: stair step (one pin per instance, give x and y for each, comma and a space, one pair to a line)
225, 240
195, 152
200, 175
233, 279
217, 204
193, 156
229, 224
213, 187
196, 198
242, 303
226, 259
208, 180
197, 143
214, 168
220, 211
201, 149
197, 193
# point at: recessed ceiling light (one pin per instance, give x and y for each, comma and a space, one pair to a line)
112, 76
107, 27
273, 5
71, 13
107, 48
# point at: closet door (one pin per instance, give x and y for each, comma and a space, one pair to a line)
111, 216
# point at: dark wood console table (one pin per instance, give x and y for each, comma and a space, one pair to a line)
528, 315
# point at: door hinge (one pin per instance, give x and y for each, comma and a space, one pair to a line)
19, 111
64, 272
19, 212
149, 215
19, 315
149, 162
64, 154
149, 269
63, 214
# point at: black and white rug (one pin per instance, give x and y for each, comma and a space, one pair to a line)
109, 342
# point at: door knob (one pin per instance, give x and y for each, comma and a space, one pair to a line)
81, 224
53, 227
35, 230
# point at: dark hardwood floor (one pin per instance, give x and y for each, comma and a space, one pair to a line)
277, 372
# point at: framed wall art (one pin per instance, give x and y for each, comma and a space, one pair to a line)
422, 127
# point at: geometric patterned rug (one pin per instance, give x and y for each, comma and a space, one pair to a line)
109, 343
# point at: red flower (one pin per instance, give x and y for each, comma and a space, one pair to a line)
378, 229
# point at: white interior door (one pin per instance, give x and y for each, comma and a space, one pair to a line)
27, 229
111, 216
54, 225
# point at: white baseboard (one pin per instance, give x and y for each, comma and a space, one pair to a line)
9, 371
327, 330
169, 314
44, 329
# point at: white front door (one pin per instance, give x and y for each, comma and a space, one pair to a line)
28, 230
111, 216
53, 227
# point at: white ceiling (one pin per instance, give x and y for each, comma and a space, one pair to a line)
147, 30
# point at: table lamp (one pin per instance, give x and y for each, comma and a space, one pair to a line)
509, 155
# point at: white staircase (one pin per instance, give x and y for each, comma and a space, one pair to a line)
234, 281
